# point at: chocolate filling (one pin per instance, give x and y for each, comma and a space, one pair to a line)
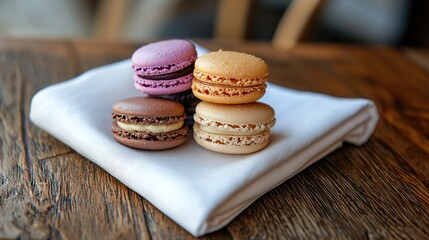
147, 120
148, 136
182, 72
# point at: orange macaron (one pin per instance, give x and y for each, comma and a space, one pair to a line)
228, 77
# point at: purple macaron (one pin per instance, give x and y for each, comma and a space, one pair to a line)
164, 67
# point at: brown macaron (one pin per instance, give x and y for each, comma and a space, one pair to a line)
149, 123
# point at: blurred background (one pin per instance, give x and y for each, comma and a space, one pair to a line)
285, 22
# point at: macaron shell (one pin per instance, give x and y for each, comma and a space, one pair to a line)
163, 57
227, 95
162, 87
225, 143
256, 113
165, 140
148, 107
149, 145
232, 64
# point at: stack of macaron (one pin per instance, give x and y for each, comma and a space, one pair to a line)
164, 69
229, 120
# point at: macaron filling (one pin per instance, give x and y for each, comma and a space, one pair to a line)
163, 69
217, 127
183, 72
232, 81
147, 120
149, 136
150, 128
225, 90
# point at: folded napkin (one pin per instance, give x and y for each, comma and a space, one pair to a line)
200, 190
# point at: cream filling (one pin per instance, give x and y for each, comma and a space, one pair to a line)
226, 131
225, 128
130, 127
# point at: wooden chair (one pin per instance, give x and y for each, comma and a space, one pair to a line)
231, 21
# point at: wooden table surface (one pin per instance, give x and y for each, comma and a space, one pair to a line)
378, 190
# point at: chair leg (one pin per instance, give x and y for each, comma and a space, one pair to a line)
231, 19
295, 23
109, 19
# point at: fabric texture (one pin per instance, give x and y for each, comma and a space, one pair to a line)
200, 190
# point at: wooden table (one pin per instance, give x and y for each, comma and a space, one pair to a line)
378, 190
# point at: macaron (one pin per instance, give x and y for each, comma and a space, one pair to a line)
149, 123
164, 67
188, 100
233, 129
229, 77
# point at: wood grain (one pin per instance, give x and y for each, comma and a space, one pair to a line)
376, 191
418, 56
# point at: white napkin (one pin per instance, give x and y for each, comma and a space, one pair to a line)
200, 190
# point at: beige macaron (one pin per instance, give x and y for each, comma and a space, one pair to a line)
228, 77
233, 129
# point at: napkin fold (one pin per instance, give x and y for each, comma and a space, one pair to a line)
200, 190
